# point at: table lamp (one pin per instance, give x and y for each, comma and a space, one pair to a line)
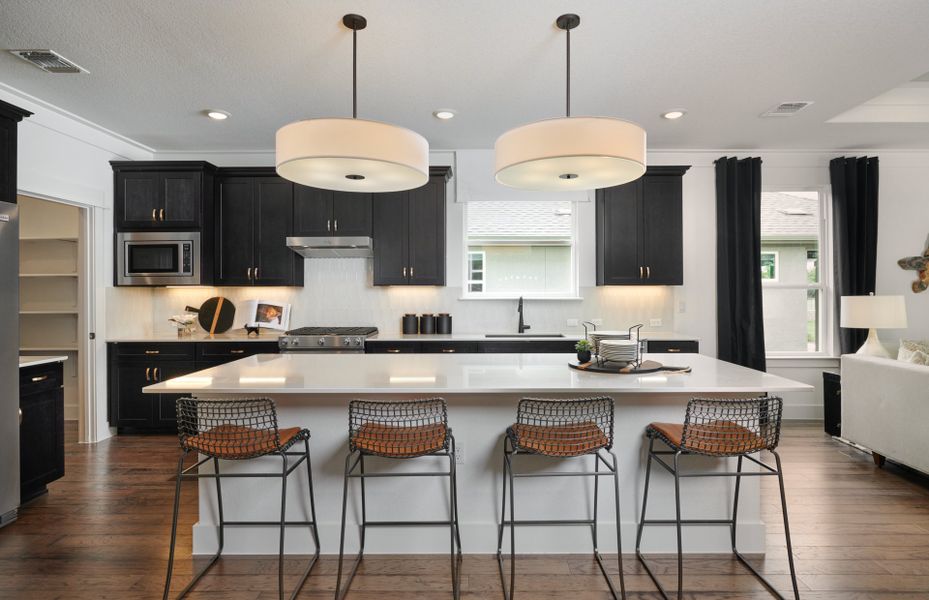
872, 313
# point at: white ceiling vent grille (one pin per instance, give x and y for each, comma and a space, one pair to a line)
49, 61
786, 109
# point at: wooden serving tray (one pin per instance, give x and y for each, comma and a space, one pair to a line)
647, 366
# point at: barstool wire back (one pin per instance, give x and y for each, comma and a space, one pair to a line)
732, 427
398, 429
563, 427
229, 429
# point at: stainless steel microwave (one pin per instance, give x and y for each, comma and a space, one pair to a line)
158, 258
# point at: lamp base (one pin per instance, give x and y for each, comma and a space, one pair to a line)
873, 346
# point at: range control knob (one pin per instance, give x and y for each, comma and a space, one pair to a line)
320, 342
347, 342
357, 341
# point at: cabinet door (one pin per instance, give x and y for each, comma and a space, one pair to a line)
7, 160
165, 405
391, 266
662, 230
235, 239
276, 264
427, 233
133, 408
351, 214
138, 200
312, 211
42, 457
618, 235
180, 199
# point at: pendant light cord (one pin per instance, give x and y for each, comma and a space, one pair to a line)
568, 76
354, 73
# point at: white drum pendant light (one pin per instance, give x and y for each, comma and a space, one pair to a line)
352, 155
570, 153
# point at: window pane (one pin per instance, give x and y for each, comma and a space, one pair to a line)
790, 235
769, 266
476, 287
792, 319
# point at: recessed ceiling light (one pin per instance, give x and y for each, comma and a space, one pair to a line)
444, 114
217, 115
673, 115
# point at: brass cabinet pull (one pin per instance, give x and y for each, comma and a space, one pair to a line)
674, 349
648, 272
411, 271
153, 351
148, 373
248, 273
256, 274
154, 214
641, 272
155, 373
20, 416
39, 378
161, 215
404, 271
328, 224
393, 350
335, 225
448, 350
237, 352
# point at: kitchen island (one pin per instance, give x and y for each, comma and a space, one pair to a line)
482, 390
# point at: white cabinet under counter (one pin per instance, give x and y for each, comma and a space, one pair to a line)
482, 391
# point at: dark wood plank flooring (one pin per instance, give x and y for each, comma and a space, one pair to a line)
860, 533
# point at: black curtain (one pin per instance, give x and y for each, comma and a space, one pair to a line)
854, 211
740, 322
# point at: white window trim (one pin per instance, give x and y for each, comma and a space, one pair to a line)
777, 266
571, 295
827, 325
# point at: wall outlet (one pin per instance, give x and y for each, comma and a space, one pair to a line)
597, 322
681, 307
459, 453
654, 323
572, 323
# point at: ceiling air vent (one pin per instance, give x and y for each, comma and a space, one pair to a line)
48, 60
786, 109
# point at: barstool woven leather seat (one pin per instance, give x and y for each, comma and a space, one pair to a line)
399, 430
239, 430
726, 429
560, 429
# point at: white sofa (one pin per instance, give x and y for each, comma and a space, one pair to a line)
885, 408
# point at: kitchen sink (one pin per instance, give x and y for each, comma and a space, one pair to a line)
524, 335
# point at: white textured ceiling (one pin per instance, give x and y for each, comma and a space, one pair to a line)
155, 64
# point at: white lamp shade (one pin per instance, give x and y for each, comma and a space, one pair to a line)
571, 153
352, 155
873, 312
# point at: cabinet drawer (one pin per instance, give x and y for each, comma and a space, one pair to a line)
673, 346
155, 351
450, 347
41, 378
374, 347
527, 346
234, 350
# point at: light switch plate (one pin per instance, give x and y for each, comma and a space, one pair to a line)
572, 322
655, 323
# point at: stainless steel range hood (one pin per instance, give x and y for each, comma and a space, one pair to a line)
332, 247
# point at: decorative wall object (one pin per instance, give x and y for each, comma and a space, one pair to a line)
920, 264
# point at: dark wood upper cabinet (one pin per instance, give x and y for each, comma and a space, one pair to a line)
639, 230
409, 234
254, 216
324, 213
10, 116
162, 195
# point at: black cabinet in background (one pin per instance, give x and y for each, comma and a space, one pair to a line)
254, 217
163, 195
832, 403
409, 233
639, 230
320, 213
10, 116
41, 429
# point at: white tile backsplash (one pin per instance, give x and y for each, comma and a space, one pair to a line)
339, 292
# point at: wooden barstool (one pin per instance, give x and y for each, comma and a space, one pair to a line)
399, 430
720, 428
239, 430
561, 429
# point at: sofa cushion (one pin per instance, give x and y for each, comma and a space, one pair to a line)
914, 352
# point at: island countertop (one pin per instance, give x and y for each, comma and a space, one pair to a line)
362, 374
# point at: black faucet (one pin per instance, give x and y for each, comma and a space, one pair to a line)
519, 308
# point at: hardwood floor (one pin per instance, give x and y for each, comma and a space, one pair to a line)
860, 533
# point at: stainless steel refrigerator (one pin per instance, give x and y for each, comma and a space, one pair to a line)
9, 362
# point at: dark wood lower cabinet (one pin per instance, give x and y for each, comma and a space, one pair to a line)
41, 430
468, 347
135, 365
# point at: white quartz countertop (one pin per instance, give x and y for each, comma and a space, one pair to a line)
361, 374
34, 361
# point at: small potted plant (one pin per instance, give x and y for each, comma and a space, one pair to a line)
583, 351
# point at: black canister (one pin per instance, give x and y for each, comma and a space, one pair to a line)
426, 323
410, 324
443, 323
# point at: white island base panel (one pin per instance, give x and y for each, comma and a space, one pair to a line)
478, 423
482, 391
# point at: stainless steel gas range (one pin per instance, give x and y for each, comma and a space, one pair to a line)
326, 339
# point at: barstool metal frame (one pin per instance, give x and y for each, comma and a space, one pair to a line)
192, 419
702, 414
561, 413
427, 412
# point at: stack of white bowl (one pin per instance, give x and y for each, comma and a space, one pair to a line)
619, 351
